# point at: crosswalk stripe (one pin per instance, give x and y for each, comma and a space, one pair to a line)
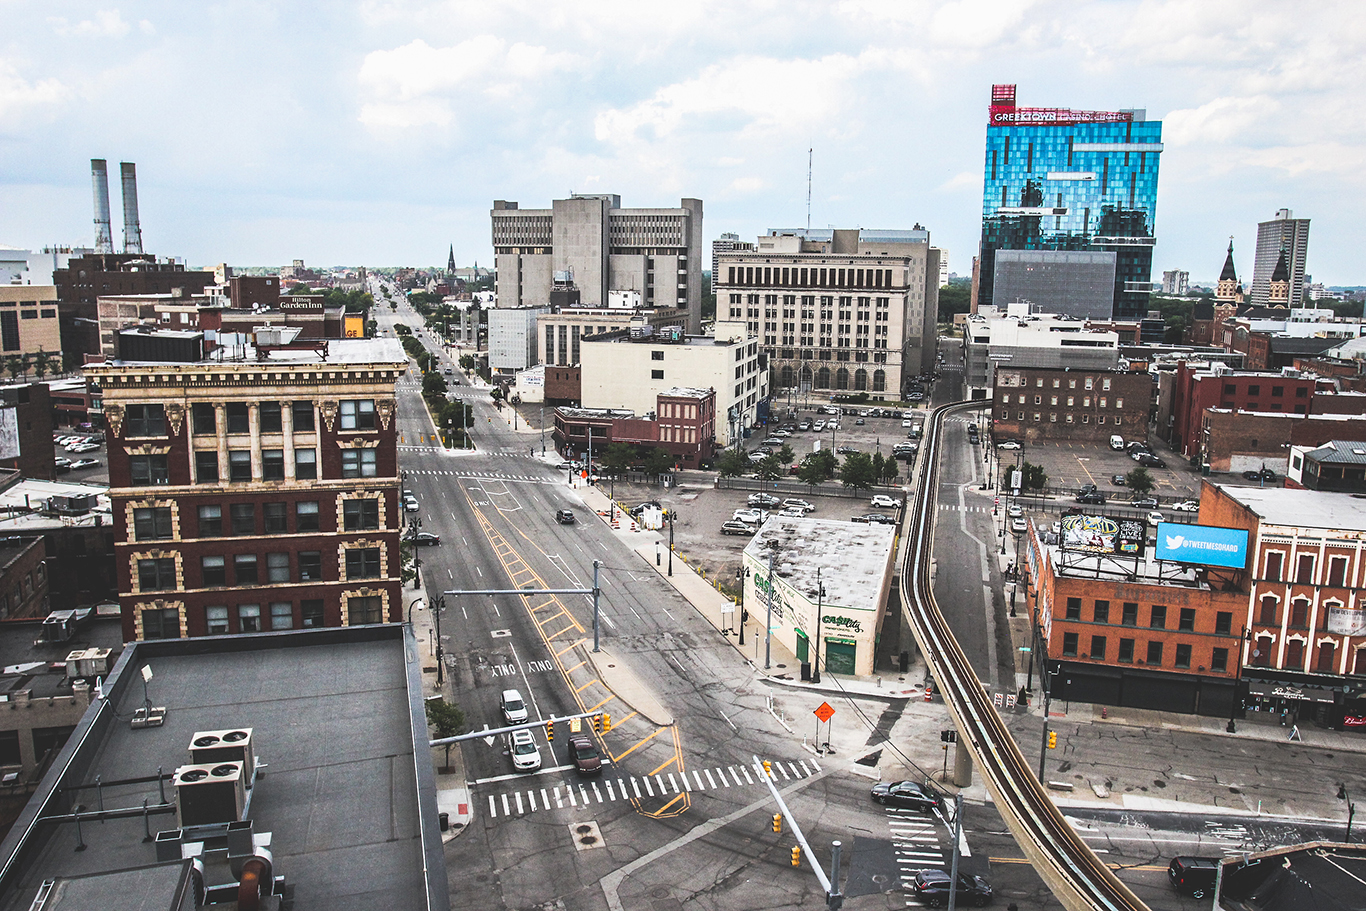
648, 790
698, 777
662, 790
531, 798
545, 798
711, 781
596, 792
493, 809
621, 786
635, 787
673, 783
583, 792
779, 767
572, 801
610, 795
745, 769
687, 785
520, 809
506, 810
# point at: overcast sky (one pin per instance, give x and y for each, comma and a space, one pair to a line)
380, 132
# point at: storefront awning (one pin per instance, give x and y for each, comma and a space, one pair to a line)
1290, 691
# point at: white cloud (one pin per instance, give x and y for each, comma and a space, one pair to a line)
105, 24
17, 93
418, 84
1221, 120
963, 180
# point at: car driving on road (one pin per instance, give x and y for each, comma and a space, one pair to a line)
584, 755
932, 888
908, 795
514, 709
526, 755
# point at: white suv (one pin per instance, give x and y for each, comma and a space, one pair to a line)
804, 506
526, 755
882, 500
514, 709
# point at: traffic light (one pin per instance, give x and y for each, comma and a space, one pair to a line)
606, 722
796, 856
550, 730
777, 822
768, 768
1052, 740
597, 724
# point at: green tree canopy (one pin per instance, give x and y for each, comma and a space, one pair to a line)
733, 463
446, 720
770, 468
616, 457
1139, 481
817, 468
433, 383
1035, 478
658, 462
857, 471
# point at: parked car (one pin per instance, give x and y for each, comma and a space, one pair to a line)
81, 447
84, 463
1119, 480
1015, 510
818, 427
763, 500
1009, 444
584, 755
881, 518
1187, 506
526, 755
804, 425
410, 503
847, 450
1095, 498
565, 516
422, 539
907, 423
1148, 460
758, 456
858, 422
908, 795
1017, 525
1155, 518
639, 510
748, 516
514, 709
1193, 876
932, 888
883, 501
1144, 503
737, 528
62, 465
1265, 474
792, 512
794, 503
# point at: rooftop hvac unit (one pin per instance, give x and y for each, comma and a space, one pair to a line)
267, 336
209, 794
87, 662
233, 745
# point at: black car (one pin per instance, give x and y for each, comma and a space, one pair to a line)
1144, 503
565, 516
423, 539
1119, 480
1148, 460
932, 888
1193, 875
1095, 498
638, 511
908, 795
1266, 474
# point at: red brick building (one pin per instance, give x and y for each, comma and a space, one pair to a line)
1237, 441
1193, 391
1048, 403
252, 494
684, 425
87, 277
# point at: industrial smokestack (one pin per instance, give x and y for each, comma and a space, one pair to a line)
132, 231
99, 177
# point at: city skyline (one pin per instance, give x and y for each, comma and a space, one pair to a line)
376, 134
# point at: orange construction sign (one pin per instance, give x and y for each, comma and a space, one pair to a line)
824, 712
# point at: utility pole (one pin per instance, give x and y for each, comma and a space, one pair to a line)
596, 592
768, 628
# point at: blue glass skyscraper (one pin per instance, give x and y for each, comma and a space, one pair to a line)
1058, 179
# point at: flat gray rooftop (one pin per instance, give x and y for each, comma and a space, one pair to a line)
352, 815
852, 558
1302, 508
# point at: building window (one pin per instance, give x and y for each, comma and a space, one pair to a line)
244, 569
1337, 571
243, 518
282, 615
239, 417
206, 466
359, 515
144, 420
1299, 614
203, 419
1268, 614
272, 464
359, 463
1327, 652
210, 521
1183, 655
656, 355
213, 570
277, 567
656, 374
275, 516
270, 417
310, 566
1294, 655
157, 574
306, 516
1126, 651
1304, 569
161, 624
358, 414
1187, 621
1223, 623
1098, 648
311, 613
1069, 645
362, 563
1102, 612
1159, 617
1155, 654
305, 464
239, 465
1130, 617
148, 470
152, 523
364, 610
1218, 662
1273, 566
249, 618
216, 620
303, 416
1073, 608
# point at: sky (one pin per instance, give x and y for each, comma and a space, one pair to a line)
379, 132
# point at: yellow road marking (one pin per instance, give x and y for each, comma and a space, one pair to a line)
672, 802
665, 766
563, 631
552, 617
626, 718
568, 648
580, 689
638, 745
610, 697
569, 670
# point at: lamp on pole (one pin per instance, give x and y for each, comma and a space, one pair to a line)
1351, 809
1232, 726
741, 575
671, 543
820, 604
768, 626
411, 607
437, 607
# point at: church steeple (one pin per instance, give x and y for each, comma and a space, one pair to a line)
1278, 289
1229, 289
450, 262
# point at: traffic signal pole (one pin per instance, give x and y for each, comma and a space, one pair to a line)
833, 899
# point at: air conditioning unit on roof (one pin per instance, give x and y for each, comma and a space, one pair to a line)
232, 745
209, 794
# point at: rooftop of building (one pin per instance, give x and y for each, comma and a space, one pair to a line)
1071, 558
338, 726
852, 558
1339, 452
1282, 506
613, 414
661, 337
21, 503
689, 392
865, 235
37, 665
338, 351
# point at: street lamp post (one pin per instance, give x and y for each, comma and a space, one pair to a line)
437, 607
671, 543
741, 575
1232, 727
415, 602
820, 604
768, 626
1351, 809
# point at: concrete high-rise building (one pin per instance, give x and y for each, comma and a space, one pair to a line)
591, 241
1288, 233
1175, 281
726, 243
837, 310
1057, 180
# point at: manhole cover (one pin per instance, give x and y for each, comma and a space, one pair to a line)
585, 835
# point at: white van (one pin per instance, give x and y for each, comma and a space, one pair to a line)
1117, 442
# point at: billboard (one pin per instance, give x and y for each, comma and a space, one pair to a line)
1208, 545
1102, 535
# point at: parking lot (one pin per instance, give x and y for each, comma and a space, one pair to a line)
852, 432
